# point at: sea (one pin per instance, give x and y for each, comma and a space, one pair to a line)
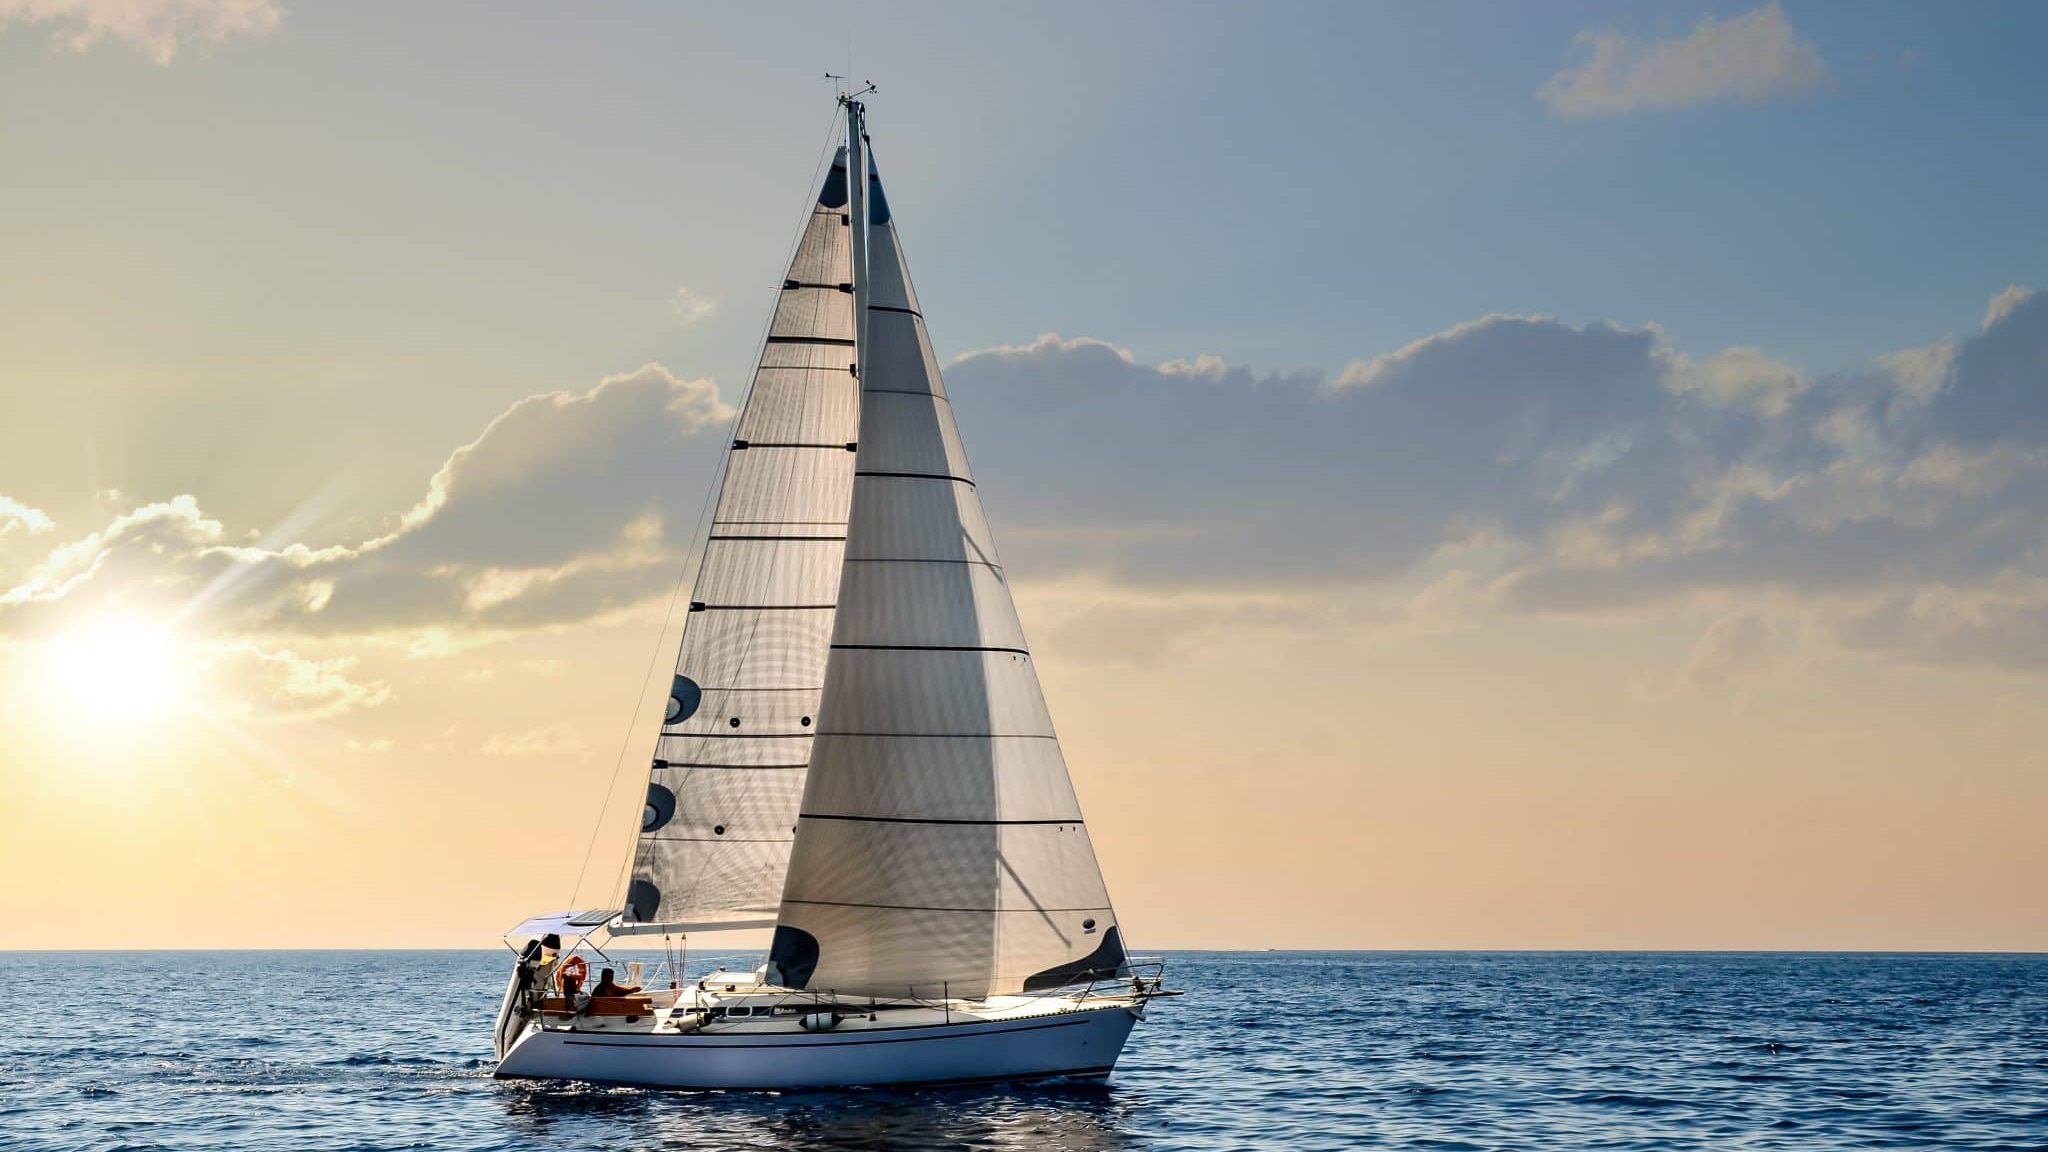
1287, 1050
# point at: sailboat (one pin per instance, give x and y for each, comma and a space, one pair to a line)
856, 752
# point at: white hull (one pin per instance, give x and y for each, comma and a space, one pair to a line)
1079, 1044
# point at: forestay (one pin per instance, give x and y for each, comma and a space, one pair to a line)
941, 850
728, 773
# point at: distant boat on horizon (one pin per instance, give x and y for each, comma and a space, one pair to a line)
856, 752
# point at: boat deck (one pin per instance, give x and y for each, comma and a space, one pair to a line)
740, 1007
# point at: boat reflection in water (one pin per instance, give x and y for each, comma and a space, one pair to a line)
1079, 1116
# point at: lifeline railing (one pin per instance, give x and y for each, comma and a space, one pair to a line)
1138, 977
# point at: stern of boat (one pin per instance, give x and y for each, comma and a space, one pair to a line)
513, 1016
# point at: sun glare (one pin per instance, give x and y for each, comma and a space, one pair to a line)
114, 672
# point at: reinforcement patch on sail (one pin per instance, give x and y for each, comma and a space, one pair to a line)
1106, 962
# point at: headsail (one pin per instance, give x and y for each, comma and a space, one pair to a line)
941, 849
728, 773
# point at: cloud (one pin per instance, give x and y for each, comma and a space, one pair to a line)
2004, 304
1207, 365
1518, 463
18, 517
1752, 56
553, 740
567, 505
1997, 385
1728, 652
690, 307
1178, 476
1742, 376
1368, 373
1999, 623
313, 689
155, 539
160, 29
1507, 464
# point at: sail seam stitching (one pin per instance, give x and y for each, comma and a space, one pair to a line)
924, 819
937, 907
945, 735
905, 392
919, 560
742, 445
713, 840
746, 767
927, 648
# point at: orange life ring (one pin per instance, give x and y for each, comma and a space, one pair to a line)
575, 967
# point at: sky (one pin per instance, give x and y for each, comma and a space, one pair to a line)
1474, 476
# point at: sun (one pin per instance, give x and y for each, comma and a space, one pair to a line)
115, 672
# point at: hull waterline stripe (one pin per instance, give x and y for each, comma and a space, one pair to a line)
1100, 1072
653, 1042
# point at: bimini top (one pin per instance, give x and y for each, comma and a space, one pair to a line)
611, 922
568, 925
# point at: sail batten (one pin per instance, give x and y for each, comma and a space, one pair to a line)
940, 847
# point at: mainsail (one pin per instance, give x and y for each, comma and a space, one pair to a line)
728, 773
940, 850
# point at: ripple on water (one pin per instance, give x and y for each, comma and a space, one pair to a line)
1303, 1051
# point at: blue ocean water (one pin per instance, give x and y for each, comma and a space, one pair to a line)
1302, 1050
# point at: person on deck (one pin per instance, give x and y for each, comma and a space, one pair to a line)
536, 960
607, 986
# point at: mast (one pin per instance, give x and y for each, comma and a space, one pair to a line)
857, 213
